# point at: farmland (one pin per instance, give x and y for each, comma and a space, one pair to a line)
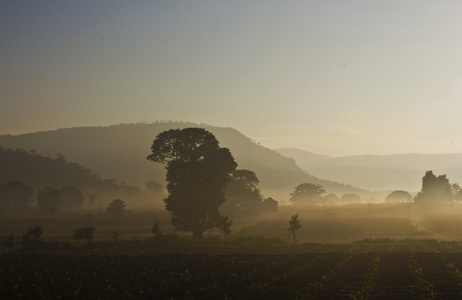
350, 256
397, 275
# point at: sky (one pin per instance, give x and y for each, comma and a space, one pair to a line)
330, 77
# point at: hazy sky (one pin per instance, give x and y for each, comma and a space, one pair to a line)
331, 77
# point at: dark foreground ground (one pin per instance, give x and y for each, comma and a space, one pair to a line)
328, 275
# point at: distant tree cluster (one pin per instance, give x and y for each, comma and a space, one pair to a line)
307, 193
29, 167
15, 195
50, 198
312, 194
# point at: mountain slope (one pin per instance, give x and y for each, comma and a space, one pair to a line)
373, 172
120, 151
40, 172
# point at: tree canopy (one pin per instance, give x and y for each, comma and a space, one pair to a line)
49, 199
72, 196
198, 170
307, 193
399, 196
435, 190
116, 208
15, 195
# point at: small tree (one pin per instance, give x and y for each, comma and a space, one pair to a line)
294, 225
9, 242
83, 233
35, 232
225, 228
307, 193
49, 199
32, 236
399, 196
115, 235
116, 208
156, 229
269, 205
350, 198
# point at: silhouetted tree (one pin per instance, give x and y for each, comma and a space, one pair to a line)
307, 193
294, 226
116, 208
435, 190
49, 199
331, 199
15, 195
399, 196
269, 205
30, 239
115, 235
9, 242
83, 233
72, 196
156, 229
197, 172
243, 196
350, 198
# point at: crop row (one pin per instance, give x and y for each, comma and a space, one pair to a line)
303, 276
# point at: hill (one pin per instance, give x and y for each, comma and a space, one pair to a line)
40, 172
120, 151
374, 172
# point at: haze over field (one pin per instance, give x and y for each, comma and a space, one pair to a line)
180, 149
330, 77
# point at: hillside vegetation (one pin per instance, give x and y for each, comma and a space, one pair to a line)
39, 172
120, 151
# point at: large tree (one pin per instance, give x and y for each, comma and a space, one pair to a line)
198, 170
307, 193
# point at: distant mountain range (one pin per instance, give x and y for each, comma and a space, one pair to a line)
378, 173
120, 151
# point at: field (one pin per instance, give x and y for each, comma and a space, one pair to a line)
399, 275
386, 253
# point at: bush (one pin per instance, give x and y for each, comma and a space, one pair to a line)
84, 233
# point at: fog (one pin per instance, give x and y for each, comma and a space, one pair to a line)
313, 150
214, 194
